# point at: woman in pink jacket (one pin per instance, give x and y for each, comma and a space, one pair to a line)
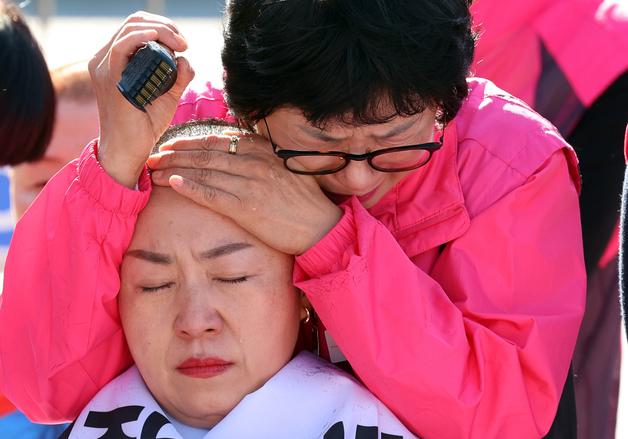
449, 270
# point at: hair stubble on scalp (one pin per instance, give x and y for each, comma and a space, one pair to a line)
346, 60
196, 128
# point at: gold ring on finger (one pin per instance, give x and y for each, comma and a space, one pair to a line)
233, 145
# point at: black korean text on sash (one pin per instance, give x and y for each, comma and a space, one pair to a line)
113, 420
337, 431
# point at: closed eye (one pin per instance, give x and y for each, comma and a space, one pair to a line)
235, 280
156, 288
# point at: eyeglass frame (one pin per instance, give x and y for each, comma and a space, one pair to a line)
286, 154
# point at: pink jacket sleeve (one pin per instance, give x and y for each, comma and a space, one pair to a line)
61, 338
479, 346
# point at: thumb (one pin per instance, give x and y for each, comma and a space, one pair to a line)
185, 74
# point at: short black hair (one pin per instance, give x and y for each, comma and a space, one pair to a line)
27, 98
342, 59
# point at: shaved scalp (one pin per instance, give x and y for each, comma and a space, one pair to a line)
196, 128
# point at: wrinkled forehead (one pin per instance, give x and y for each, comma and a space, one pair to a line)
172, 224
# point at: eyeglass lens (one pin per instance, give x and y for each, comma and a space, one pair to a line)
401, 159
397, 160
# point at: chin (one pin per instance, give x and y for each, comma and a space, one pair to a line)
201, 409
200, 417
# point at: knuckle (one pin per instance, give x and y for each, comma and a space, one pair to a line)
130, 27
169, 23
165, 162
91, 67
242, 204
116, 50
209, 194
201, 159
206, 175
137, 16
208, 142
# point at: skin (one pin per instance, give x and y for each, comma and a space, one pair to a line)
76, 125
288, 212
127, 134
254, 188
292, 129
194, 284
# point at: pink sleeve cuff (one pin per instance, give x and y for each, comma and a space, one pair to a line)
108, 193
330, 253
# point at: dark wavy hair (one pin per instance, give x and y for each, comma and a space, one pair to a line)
27, 97
344, 60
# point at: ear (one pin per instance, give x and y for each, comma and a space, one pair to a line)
304, 304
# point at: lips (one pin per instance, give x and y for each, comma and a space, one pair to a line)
203, 367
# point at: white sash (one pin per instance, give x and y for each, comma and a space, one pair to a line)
308, 398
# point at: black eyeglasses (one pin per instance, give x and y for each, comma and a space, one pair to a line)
396, 159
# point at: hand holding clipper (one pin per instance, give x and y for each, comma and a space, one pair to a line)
137, 69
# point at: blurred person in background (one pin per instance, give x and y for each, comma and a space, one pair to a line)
27, 110
569, 61
26, 92
76, 124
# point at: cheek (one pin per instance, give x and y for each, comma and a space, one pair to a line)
272, 327
144, 326
328, 182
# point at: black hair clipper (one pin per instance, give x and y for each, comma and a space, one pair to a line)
151, 72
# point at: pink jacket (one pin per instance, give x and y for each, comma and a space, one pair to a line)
457, 298
584, 41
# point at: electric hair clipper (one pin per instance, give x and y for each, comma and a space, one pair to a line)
151, 72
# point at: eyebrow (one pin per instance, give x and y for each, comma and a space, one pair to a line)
224, 250
164, 259
320, 135
399, 128
154, 257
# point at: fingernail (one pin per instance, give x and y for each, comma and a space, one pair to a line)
176, 181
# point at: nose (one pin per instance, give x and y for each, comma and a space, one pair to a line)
358, 177
197, 314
